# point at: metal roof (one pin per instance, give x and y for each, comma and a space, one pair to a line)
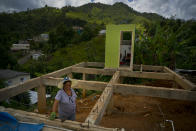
8, 74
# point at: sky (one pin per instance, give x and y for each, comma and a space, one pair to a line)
183, 9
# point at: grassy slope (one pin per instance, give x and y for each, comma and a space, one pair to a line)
118, 13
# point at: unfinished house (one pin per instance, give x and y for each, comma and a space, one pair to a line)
105, 109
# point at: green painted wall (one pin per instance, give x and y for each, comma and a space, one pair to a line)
112, 47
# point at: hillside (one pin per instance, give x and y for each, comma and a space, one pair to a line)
118, 13
26, 24
160, 41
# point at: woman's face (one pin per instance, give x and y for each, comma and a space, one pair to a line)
67, 85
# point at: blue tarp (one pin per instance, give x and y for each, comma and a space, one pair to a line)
9, 123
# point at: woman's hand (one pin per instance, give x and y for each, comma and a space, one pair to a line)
52, 115
54, 110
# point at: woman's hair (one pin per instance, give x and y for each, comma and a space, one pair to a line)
66, 82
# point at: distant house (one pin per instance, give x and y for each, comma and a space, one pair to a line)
102, 32
36, 55
23, 42
12, 77
41, 38
21, 45
77, 29
44, 37
16, 47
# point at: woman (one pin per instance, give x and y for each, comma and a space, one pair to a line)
65, 100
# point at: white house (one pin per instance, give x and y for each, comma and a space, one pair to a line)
21, 45
16, 47
44, 37
35, 56
102, 32
12, 77
41, 38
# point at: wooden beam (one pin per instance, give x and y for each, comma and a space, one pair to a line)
150, 75
81, 64
63, 71
141, 68
169, 93
83, 91
125, 89
183, 82
99, 108
14, 90
92, 71
110, 106
95, 64
38, 118
59, 73
81, 84
70, 75
42, 106
148, 68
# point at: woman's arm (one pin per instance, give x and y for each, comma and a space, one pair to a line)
55, 106
54, 110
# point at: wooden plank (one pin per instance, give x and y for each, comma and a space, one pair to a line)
59, 73
141, 68
150, 75
70, 75
99, 108
162, 92
169, 93
183, 82
81, 64
148, 68
30, 84
92, 71
83, 91
38, 118
95, 64
14, 90
63, 71
42, 107
81, 84
110, 106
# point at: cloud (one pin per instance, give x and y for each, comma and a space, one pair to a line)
19, 5
184, 9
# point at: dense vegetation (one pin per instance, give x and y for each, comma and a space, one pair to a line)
159, 41
169, 42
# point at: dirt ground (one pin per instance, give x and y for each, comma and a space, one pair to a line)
139, 113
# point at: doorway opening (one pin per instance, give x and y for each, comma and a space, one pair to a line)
125, 48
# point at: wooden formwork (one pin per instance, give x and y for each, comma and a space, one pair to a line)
139, 71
